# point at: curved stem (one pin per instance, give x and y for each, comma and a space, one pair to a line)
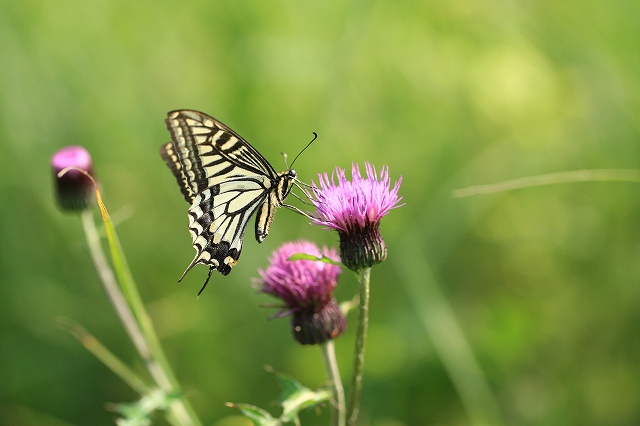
133, 315
117, 299
111, 361
337, 391
589, 175
353, 403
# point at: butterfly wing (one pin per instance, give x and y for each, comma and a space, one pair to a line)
205, 152
224, 179
218, 218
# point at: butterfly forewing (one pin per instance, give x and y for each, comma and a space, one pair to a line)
226, 181
211, 152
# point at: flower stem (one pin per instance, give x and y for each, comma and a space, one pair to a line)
132, 313
353, 402
110, 285
333, 374
105, 355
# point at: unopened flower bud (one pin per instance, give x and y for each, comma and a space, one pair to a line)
74, 189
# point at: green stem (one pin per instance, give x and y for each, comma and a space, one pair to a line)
106, 356
132, 313
111, 287
333, 374
588, 175
353, 402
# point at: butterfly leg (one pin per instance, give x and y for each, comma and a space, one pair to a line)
206, 281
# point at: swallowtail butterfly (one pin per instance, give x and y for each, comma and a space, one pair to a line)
226, 181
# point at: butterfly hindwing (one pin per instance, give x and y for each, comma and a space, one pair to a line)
226, 181
218, 218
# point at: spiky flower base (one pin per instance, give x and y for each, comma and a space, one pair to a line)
313, 328
362, 247
74, 192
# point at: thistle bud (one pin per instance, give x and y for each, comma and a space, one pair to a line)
74, 189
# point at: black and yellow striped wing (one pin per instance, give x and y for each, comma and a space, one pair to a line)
226, 181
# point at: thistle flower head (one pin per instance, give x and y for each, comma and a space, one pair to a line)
355, 208
74, 190
306, 288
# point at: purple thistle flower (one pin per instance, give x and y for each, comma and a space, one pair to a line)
74, 190
354, 209
306, 288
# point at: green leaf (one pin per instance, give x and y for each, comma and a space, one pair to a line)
304, 256
259, 416
296, 397
139, 413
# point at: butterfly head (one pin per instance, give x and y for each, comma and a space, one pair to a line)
285, 183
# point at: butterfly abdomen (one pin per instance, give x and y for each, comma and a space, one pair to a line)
281, 188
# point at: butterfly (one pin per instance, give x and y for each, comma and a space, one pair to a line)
226, 181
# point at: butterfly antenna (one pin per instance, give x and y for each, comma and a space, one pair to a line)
284, 154
315, 136
205, 283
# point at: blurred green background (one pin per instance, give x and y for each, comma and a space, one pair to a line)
540, 285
